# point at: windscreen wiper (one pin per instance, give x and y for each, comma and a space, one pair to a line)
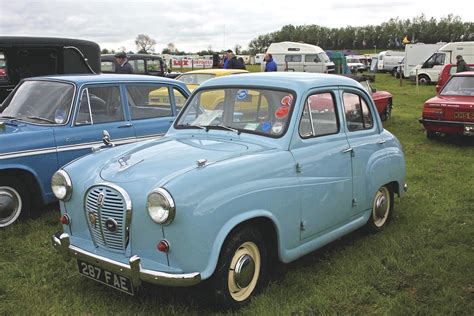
208, 127
34, 117
198, 126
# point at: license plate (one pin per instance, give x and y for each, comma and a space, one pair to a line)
464, 115
111, 279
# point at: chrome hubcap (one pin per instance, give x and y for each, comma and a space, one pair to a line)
381, 206
10, 206
244, 271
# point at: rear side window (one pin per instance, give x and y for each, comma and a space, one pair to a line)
107, 66
319, 116
293, 58
100, 105
358, 115
148, 101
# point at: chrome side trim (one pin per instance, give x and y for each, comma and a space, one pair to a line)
133, 270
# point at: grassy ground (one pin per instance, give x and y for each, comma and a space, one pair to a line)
422, 264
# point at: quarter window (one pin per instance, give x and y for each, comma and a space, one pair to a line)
148, 101
358, 116
100, 105
319, 116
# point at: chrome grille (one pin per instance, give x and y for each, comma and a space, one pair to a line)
106, 204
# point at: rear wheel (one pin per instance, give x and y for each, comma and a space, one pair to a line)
14, 201
241, 270
431, 135
382, 209
424, 79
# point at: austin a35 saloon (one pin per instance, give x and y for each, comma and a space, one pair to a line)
290, 163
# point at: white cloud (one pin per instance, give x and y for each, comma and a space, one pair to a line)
193, 25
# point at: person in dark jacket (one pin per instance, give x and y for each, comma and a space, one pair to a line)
233, 62
123, 66
270, 63
461, 64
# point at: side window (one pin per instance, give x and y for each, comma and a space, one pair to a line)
312, 59
319, 116
138, 65
154, 65
357, 112
100, 105
293, 58
179, 99
440, 59
107, 66
3, 67
148, 101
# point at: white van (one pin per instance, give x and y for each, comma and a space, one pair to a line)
291, 56
430, 70
389, 60
259, 59
416, 54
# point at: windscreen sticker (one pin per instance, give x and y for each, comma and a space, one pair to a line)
251, 126
287, 100
282, 112
277, 127
60, 116
266, 126
242, 94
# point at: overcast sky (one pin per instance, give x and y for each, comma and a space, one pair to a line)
196, 25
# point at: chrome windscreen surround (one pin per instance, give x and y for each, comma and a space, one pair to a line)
108, 211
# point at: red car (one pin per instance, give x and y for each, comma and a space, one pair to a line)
448, 71
452, 110
382, 99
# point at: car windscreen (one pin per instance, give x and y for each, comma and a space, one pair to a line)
243, 110
195, 78
41, 102
460, 85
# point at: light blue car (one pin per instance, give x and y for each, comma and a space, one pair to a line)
289, 163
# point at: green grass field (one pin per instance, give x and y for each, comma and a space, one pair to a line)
423, 263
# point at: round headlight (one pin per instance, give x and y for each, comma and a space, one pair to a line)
61, 185
161, 206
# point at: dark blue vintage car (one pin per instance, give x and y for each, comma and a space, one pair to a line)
49, 121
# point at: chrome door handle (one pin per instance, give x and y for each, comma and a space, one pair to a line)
126, 125
348, 150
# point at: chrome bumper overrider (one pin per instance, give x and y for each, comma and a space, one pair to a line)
133, 270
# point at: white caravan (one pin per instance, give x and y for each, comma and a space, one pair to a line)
430, 70
389, 60
416, 54
291, 56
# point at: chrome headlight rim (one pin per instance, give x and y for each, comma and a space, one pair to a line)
170, 207
67, 183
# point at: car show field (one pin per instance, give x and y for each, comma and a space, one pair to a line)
420, 264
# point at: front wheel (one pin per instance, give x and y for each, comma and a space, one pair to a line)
241, 270
387, 112
424, 80
14, 201
382, 209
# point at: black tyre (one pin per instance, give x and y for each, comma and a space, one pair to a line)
382, 209
241, 270
431, 135
424, 79
14, 201
388, 112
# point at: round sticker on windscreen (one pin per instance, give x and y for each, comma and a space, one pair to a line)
287, 100
242, 94
282, 112
277, 128
266, 126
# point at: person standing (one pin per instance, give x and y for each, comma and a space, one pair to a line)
461, 64
270, 63
123, 66
233, 62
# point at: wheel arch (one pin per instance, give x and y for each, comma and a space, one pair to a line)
30, 179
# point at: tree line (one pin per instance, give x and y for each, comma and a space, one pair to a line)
388, 35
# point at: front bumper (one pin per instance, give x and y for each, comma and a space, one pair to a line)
133, 270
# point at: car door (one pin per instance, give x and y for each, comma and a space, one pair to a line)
152, 108
100, 107
364, 140
323, 165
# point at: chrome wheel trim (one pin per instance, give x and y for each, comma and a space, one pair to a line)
244, 271
16, 205
381, 207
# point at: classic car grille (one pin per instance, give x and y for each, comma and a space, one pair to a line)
105, 205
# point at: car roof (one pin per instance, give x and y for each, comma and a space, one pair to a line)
88, 78
297, 81
217, 72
